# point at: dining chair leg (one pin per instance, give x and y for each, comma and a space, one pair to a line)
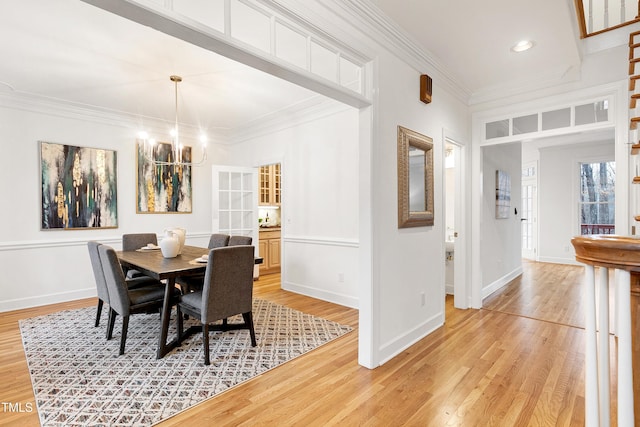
112, 322
205, 342
125, 328
99, 312
180, 323
248, 320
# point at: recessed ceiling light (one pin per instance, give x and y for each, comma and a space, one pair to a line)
521, 46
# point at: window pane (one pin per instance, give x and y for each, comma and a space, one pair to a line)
592, 113
497, 129
556, 119
525, 124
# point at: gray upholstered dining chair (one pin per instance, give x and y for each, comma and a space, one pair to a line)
227, 291
218, 240
101, 284
133, 241
239, 240
192, 283
125, 301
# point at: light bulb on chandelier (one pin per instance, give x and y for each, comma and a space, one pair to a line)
150, 146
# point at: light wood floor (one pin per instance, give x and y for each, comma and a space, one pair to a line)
498, 366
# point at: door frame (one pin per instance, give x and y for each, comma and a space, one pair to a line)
461, 284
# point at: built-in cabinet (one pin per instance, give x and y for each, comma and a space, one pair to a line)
270, 185
269, 248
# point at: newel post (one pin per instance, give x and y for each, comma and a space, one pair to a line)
622, 254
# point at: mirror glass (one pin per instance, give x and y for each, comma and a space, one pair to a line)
417, 196
415, 179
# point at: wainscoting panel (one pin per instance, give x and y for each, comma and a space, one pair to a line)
322, 268
44, 272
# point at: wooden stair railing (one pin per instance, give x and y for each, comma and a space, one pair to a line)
622, 254
634, 45
634, 49
608, 19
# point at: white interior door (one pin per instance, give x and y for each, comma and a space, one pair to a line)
235, 199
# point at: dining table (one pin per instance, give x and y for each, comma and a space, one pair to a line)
152, 263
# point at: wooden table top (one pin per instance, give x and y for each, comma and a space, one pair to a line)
153, 264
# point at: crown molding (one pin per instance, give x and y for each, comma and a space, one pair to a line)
306, 111
56, 107
302, 112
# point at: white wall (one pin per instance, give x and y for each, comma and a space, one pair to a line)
558, 196
43, 267
501, 253
320, 201
408, 262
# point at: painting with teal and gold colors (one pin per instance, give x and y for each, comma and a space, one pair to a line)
163, 187
79, 187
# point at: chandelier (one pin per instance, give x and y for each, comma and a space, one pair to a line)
150, 145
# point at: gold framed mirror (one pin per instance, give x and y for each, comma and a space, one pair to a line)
415, 179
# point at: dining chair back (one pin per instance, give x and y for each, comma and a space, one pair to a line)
218, 240
194, 282
227, 291
133, 241
98, 274
239, 240
125, 301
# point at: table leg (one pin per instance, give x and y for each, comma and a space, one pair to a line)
163, 347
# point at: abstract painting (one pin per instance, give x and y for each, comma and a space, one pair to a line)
162, 188
78, 187
503, 194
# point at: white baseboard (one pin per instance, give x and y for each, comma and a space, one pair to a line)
346, 300
555, 260
391, 349
504, 280
40, 300
448, 289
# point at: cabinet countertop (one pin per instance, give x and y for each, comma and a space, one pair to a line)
261, 229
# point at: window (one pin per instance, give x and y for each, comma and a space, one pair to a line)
597, 198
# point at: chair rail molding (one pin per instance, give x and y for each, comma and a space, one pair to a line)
310, 240
72, 242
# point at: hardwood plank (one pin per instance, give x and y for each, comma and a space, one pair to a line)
497, 366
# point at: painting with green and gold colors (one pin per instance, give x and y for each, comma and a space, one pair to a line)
79, 187
163, 187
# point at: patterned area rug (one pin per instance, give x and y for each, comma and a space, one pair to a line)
79, 379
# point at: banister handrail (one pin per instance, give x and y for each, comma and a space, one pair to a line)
608, 250
588, 30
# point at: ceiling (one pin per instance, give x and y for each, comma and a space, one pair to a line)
72, 51
473, 39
